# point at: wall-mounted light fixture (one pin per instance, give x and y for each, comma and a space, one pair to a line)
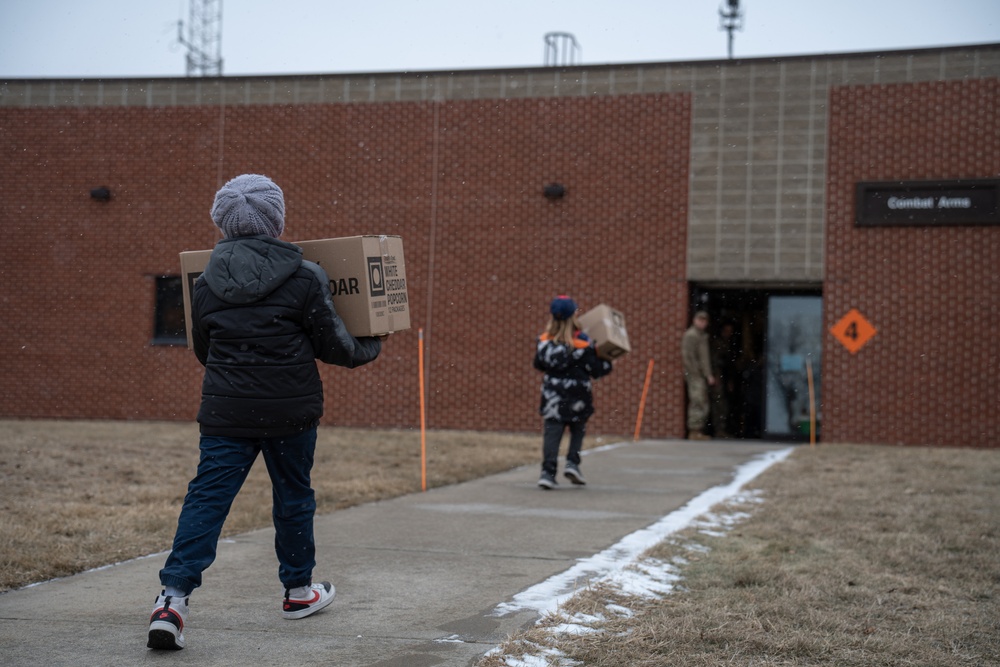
102, 193
554, 191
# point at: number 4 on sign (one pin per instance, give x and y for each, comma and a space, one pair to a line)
853, 331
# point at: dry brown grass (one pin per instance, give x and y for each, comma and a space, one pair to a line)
76, 495
859, 555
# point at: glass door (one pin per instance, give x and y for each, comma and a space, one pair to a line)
793, 345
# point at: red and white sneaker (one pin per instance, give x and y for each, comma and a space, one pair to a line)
320, 596
166, 624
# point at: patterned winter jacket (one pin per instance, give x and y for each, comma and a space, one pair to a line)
567, 394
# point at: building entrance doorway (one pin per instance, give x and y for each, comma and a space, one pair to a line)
766, 344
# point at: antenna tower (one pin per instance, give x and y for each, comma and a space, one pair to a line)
204, 38
561, 48
730, 19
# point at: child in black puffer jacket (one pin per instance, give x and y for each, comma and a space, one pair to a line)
568, 359
261, 316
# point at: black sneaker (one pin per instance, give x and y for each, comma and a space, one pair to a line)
547, 481
574, 475
320, 596
166, 624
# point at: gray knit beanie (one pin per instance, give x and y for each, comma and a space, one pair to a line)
249, 205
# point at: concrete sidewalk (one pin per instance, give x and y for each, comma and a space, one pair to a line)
417, 577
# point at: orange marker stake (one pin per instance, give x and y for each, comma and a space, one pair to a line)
423, 418
812, 403
642, 401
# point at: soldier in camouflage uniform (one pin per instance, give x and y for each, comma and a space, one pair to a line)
698, 375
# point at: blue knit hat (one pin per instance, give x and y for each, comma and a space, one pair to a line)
562, 307
249, 205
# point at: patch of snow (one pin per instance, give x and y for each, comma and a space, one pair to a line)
624, 612
613, 564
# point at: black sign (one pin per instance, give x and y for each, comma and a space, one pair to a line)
933, 203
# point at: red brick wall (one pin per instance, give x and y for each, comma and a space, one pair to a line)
933, 294
461, 182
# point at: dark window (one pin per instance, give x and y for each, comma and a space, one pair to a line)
169, 326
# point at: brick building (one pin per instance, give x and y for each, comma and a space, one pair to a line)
747, 187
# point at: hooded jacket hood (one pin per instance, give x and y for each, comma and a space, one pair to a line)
246, 269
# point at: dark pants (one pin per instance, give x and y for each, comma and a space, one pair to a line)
222, 469
552, 437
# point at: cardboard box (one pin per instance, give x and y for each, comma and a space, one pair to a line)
606, 327
367, 280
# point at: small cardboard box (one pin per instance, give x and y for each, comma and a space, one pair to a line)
367, 280
606, 327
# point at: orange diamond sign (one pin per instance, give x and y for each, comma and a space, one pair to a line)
853, 331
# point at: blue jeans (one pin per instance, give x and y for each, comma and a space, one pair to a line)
223, 467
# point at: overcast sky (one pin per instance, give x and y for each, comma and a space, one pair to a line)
121, 38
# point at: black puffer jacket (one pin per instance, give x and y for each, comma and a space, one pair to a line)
261, 316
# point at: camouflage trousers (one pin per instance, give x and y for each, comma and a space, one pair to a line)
698, 405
